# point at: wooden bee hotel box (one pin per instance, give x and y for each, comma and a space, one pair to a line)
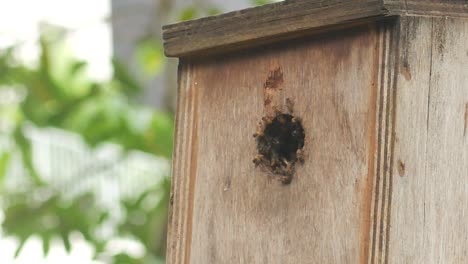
322, 132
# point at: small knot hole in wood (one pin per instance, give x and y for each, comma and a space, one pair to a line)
280, 142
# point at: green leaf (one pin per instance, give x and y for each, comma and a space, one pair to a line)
66, 241
150, 55
25, 217
148, 223
46, 243
26, 154
20, 247
161, 134
139, 201
45, 71
262, 2
103, 217
123, 258
4, 162
130, 85
158, 260
188, 13
77, 67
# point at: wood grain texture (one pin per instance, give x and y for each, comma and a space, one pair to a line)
265, 24
385, 110
225, 210
430, 196
453, 8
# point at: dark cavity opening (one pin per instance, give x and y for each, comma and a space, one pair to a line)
280, 145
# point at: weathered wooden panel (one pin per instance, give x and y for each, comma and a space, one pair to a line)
430, 195
225, 210
385, 112
411, 135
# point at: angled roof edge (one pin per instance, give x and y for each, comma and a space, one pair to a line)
290, 19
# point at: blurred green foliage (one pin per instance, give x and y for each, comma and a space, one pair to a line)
197, 11
150, 55
146, 217
53, 216
58, 93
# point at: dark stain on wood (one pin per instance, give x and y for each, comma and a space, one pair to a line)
401, 168
271, 89
440, 37
357, 185
408, 36
275, 79
280, 135
406, 71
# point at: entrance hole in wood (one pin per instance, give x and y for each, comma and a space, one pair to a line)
280, 143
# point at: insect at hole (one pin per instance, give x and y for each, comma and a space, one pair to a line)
280, 145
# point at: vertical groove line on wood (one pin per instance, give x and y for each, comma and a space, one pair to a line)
384, 148
427, 128
185, 162
383, 178
190, 166
385, 145
388, 154
395, 45
192, 170
377, 173
372, 127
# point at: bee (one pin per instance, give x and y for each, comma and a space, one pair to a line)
282, 119
258, 159
274, 160
259, 132
300, 155
277, 110
286, 179
296, 119
280, 139
287, 166
267, 120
